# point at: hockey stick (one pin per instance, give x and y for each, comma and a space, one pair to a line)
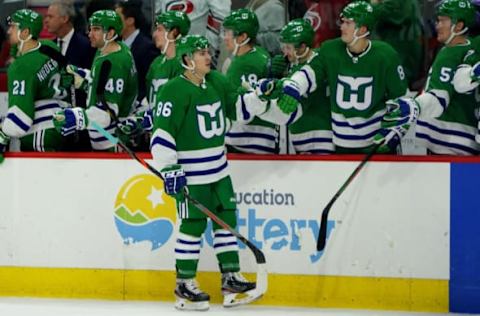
62, 62
262, 275
322, 233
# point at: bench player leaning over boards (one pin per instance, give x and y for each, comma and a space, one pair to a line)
364, 92
448, 122
120, 90
249, 64
35, 90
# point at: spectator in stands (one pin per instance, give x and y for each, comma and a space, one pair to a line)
272, 17
399, 24
207, 17
92, 6
321, 14
141, 46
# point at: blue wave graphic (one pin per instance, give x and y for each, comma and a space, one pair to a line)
157, 232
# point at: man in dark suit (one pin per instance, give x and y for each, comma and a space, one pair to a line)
141, 45
75, 46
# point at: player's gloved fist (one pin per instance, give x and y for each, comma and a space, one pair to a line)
147, 122
129, 128
81, 76
174, 180
69, 120
402, 111
475, 72
290, 99
266, 89
278, 66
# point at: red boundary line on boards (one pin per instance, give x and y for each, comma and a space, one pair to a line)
145, 155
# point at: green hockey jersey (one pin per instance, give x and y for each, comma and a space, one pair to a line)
359, 86
190, 126
36, 87
120, 92
161, 70
312, 131
259, 136
452, 132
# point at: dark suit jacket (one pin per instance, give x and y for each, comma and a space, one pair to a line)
144, 52
80, 53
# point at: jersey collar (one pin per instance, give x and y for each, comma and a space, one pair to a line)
356, 58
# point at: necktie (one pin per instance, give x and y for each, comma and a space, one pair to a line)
60, 45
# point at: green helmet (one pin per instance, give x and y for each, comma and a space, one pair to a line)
27, 19
242, 21
190, 44
361, 12
457, 10
296, 32
107, 19
174, 19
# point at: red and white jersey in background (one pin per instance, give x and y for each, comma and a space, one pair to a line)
206, 16
324, 15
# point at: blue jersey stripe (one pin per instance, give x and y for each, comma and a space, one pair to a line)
15, 119
446, 144
206, 172
446, 131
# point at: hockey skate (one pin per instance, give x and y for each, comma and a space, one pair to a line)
190, 297
237, 290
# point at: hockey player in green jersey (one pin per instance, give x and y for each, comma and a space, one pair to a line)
448, 121
191, 118
120, 89
311, 131
35, 88
249, 64
359, 83
169, 27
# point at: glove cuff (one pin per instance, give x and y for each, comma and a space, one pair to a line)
81, 118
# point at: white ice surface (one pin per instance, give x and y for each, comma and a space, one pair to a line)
55, 307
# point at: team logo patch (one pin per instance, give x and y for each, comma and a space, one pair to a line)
180, 5
144, 212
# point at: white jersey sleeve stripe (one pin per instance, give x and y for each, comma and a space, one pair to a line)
16, 123
306, 80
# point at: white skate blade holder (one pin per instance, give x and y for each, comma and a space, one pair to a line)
237, 299
186, 305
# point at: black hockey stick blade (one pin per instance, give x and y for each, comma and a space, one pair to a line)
54, 54
322, 233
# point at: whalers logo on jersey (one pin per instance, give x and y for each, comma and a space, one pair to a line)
155, 86
211, 120
144, 212
354, 93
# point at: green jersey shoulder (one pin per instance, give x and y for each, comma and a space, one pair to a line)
249, 67
161, 70
121, 88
